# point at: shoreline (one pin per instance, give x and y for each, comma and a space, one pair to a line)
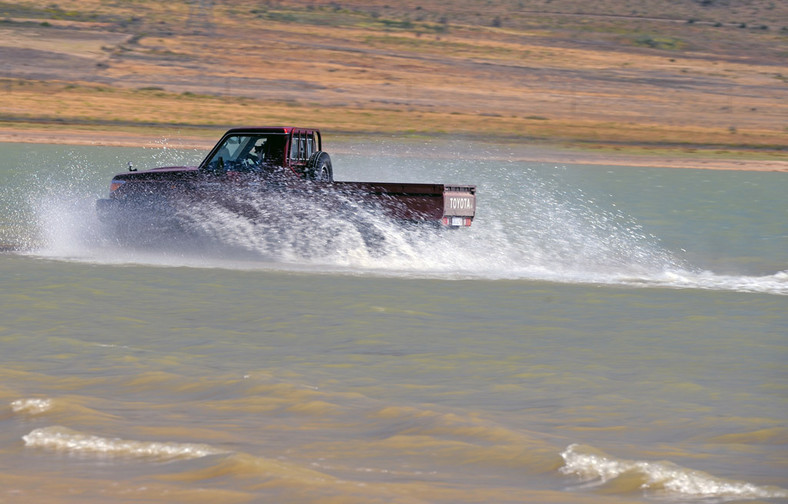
540, 153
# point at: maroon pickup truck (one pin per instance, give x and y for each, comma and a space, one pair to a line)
258, 160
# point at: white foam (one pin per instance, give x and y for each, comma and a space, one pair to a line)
67, 440
543, 232
31, 406
662, 479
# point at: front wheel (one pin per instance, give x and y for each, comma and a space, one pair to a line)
319, 168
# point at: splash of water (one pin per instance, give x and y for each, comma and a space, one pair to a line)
663, 480
31, 406
528, 227
63, 439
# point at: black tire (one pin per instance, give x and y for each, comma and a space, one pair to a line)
319, 168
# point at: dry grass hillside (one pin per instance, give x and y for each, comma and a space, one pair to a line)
624, 74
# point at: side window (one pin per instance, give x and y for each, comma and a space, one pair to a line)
302, 146
310, 145
294, 147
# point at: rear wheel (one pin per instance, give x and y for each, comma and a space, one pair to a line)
319, 167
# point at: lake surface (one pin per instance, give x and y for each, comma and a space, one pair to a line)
599, 335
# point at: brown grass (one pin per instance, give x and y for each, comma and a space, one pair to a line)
620, 78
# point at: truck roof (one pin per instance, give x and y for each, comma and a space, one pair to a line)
268, 129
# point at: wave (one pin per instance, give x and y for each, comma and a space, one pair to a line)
660, 480
63, 439
290, 238
707, 280
442, 434
31, 406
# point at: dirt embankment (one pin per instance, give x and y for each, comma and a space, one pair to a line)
693, 88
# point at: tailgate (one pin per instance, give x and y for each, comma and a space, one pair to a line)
459, 205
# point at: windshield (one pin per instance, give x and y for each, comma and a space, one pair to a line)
249, 152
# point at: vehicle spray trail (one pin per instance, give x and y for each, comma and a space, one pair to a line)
543, 230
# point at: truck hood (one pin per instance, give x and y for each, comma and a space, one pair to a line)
164, 171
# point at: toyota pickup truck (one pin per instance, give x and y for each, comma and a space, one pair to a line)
258, 160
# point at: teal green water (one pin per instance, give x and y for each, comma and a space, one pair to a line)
597, 336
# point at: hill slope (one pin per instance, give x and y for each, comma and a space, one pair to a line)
704, 73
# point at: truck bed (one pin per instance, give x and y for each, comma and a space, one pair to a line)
450, 205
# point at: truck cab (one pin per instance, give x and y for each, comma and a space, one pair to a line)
283, 151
